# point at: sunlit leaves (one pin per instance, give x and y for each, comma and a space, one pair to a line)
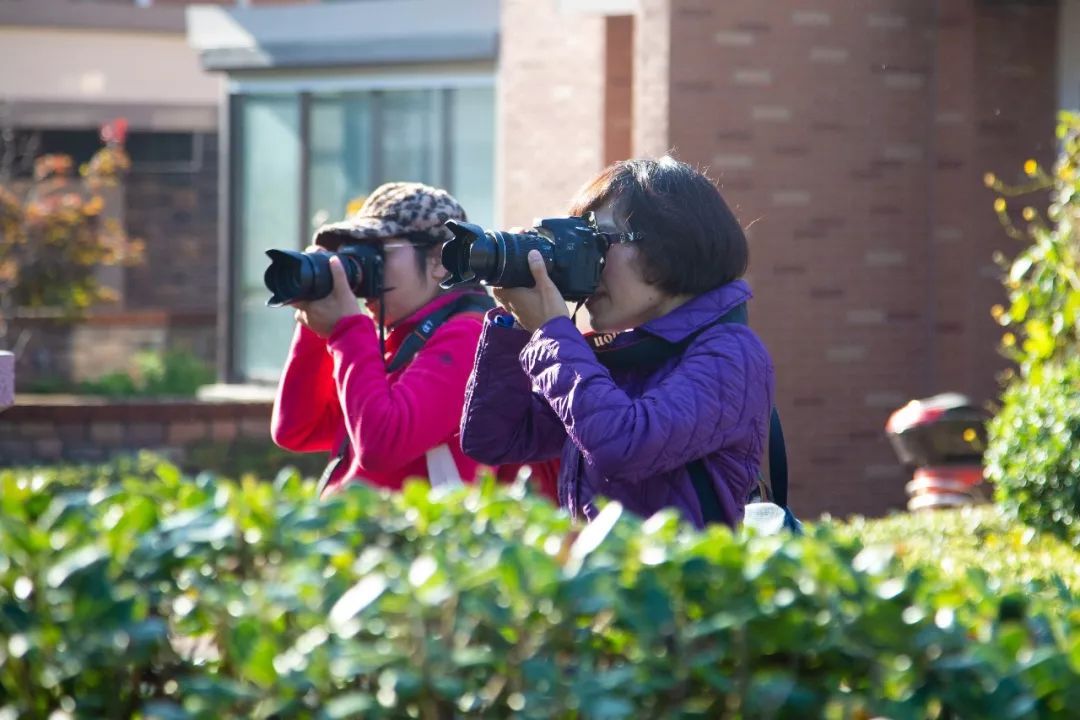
1032, 454
132, 590
1034, 450
1043, 279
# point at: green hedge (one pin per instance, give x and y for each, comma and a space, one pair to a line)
132, 591
173, 373
1032, 454
1034, 451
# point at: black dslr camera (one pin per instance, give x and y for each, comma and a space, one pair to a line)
297, 276
572, 247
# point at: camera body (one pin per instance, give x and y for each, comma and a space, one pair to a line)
572, 247
297, 276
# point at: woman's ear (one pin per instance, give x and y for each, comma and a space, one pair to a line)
436, 269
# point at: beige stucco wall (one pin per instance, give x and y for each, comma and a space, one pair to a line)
45, 64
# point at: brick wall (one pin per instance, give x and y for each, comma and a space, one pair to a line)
652, 79
872, 255
551, 94
854, 138
851, 139
49, 429
175, 213
618, 88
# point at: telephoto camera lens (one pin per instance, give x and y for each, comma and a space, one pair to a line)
496, 258
297, 276
572, 248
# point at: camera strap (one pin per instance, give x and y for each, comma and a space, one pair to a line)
651, 351
476, 301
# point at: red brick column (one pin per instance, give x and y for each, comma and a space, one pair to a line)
551, 107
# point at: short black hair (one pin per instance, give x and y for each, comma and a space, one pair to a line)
423, 244
691, 242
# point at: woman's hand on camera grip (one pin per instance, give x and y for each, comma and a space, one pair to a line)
532, 307
320, 316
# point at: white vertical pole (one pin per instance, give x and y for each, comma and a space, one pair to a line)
7, 380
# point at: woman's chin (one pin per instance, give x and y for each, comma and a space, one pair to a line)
600, 323
595, 318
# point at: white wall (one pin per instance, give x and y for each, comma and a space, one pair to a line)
45, 64
211, 27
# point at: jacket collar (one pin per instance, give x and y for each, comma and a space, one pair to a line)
698, 312
401, 330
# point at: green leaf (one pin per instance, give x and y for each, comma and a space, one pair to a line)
356, 598
1020, 306
74, 563
1020, 268
163, 710
350, 705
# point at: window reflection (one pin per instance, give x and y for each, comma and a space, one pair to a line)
356, 141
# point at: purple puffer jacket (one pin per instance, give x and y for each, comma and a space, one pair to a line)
627, 435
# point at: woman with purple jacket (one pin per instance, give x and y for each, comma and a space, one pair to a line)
633, 430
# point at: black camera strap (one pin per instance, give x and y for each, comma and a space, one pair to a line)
475, 301
649, 350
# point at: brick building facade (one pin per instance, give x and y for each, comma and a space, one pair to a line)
79, 65
851, 141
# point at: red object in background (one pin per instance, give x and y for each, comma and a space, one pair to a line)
947, 486
114, 132
945, 429
942, 439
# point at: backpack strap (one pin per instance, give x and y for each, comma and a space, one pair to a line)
651, 350
708, 499
778, 470
470, 302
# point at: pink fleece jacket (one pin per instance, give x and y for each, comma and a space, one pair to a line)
393, 419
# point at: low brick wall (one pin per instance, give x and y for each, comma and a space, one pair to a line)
65, 428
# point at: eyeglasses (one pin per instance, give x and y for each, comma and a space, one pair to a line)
612, 238
395, 245
384, 247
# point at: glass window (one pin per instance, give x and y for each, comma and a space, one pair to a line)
269, 217
167, 151
356, 141
411, 137
341, 154
471, 175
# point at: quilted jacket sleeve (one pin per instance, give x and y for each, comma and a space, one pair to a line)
504, 421
687, 415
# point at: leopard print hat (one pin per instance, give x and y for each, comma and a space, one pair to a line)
394, 210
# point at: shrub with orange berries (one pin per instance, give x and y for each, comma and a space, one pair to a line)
54, 236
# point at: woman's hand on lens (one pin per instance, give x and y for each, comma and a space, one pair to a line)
321, 316
532, 307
